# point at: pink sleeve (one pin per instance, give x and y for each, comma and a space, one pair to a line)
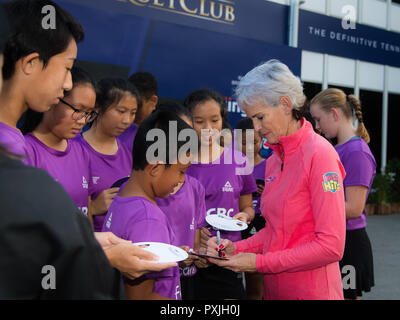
253, 244
326, 176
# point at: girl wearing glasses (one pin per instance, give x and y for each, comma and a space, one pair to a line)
49, 138
110, 160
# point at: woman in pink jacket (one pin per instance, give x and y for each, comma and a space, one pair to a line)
299, 250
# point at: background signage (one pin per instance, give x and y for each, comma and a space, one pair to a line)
325, 34
184, 52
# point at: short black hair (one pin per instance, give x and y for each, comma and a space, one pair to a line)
245, 124
3, 29
159, 119
27, 34
31, 119
146, 83
175, 107
112, 90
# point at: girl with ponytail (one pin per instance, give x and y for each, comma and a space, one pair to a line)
335, 114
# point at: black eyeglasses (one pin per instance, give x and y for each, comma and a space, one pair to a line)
78, 115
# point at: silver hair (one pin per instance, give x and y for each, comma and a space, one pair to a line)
267, 83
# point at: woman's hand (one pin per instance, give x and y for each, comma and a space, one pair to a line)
101, 204
227, 247
242, 262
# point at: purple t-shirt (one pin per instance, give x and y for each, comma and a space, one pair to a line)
360, 166
128, 136
186, 212
104, 171
258, 174
139, 220
224, 185
13, 140
70, 167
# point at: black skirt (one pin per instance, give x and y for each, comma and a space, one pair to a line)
216, 283
357, 257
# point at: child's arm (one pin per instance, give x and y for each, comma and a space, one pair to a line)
246, 213
142, 289
200, 262
197, 239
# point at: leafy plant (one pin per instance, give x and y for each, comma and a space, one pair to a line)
393, 171
381, 189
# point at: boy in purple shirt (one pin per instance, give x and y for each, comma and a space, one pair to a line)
134, 214
186, 213
117, 101
36, 69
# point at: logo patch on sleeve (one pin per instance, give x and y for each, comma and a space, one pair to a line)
331, 182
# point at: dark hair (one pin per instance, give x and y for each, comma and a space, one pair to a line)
175, 107
80, 76
112, 90
245, 124
159, 119
3, 29
27, 34
31, 119
146, 83
200, 96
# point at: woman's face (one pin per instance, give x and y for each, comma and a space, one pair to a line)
269, 121
119, 116
59, 119
207, 121
324, 121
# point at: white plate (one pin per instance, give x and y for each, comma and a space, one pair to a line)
225, 223
165, 252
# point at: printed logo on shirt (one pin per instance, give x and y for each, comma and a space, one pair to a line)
84, 183
108, 224
188, 271
228, 187
331, 182
95, 179
178, 293
220, 211
192, 225
270, 179
84, 210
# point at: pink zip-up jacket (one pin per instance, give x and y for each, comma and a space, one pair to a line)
303, 203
